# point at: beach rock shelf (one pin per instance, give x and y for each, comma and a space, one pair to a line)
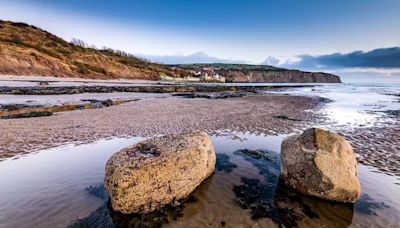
158, 171
322, 164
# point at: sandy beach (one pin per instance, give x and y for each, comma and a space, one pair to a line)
85, 138
151, 114
159, 115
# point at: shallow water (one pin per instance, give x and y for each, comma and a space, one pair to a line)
354, 105
49, 100
54, 188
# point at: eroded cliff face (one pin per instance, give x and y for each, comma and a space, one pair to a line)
284, 76
258, 73
28, 50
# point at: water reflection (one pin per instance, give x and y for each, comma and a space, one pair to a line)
105, 216
262, 198
353, 104
55, 188
270, 198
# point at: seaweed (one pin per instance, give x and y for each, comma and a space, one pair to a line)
262, 197
105, 216
223, 163
366, 205
97, 191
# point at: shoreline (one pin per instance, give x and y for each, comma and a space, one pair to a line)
253, 113
149, 114
148, 88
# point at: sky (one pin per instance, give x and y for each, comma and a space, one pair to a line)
309, 34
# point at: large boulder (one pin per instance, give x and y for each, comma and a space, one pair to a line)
158, 171
322, 164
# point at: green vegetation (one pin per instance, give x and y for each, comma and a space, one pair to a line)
47, 51
16, 40
76, 57
84, 68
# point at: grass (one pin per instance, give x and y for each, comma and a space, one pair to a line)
73, 58
85, 68
47, 52
16, 40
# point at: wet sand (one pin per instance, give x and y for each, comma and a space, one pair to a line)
62, 186
156, 114
378, 147
50, 188
254, 113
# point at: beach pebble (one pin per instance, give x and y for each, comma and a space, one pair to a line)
158, 171
321, 164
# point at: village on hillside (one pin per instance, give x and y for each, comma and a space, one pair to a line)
200, 74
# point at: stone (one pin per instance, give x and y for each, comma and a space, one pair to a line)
27, 115
158, 171
322, 164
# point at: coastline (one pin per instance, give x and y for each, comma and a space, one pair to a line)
159, 115
74, 145
148, 114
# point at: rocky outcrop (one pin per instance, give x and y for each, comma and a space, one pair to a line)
162, 88
158, 171
322, 164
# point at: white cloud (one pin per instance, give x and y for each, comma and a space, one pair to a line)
198, 57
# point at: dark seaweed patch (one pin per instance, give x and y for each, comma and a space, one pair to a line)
27, 115
366, 205
153, 219
105, 216
98, 191
215, 95
97, 219
282, 117
270, 198
223, 163
99, 103
257, 154
261, 200
264, 197
12, 107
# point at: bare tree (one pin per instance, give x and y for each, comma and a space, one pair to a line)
79, 42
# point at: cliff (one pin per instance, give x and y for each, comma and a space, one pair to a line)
28, 50
261, 73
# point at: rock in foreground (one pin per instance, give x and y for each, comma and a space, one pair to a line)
158, 171
322, 164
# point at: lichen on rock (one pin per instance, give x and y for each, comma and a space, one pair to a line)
158, 171
322, 164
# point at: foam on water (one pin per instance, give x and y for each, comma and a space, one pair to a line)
353, 104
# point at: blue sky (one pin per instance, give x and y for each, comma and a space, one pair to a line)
279, 31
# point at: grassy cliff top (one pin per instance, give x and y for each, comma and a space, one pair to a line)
28, 50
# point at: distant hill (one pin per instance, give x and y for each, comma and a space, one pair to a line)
28, 50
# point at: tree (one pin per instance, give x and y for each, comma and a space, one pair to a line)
79, 43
